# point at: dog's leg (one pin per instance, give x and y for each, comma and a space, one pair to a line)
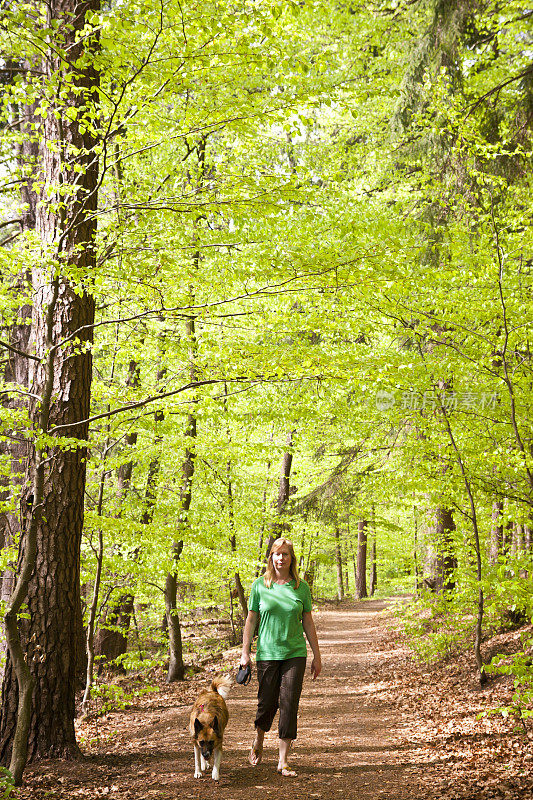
197, 761
217, 757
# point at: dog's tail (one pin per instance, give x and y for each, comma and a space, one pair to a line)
222, 684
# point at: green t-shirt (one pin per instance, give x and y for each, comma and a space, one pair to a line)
280, 609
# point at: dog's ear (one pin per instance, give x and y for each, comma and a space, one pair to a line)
215, 725
197, 726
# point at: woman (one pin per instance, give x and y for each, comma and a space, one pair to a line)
282, 603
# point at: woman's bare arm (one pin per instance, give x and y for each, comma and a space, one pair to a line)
310, 631
249, 629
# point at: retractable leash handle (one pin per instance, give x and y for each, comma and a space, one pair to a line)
244, 675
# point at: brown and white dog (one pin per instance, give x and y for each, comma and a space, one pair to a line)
209, 717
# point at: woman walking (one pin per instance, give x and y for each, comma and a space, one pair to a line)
281, 601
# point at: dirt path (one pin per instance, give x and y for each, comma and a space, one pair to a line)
349, 742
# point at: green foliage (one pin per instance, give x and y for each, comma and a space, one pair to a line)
519, 667
436, 626
7, 784
109, 697
339, 198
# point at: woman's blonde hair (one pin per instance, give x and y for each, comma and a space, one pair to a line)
293, 569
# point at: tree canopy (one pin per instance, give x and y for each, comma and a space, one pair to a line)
266, 267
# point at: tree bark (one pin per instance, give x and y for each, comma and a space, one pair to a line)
310, 574
176, 668
231, 519
374, 567
360, 581
444, 561
112, 639
418, 582
338, 564
477, 547
260, 559
63, 308
496, 532
91, 622
125, 471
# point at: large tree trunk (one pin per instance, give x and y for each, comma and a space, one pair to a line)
63, 307
360, 581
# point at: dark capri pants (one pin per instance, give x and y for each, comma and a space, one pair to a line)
280, 686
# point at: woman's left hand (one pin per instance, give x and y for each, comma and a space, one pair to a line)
316, 667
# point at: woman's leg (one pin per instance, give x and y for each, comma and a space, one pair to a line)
283, 760
256, 751
292, 676
269, 677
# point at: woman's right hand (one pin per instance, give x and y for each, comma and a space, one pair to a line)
248, 634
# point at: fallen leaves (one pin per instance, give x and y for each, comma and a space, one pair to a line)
482, 757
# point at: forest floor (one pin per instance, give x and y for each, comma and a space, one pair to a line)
375, 724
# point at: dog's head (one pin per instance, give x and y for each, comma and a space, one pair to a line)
207, 735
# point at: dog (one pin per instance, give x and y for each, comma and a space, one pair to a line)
208, 720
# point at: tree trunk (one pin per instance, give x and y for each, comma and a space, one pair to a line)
354, 562
260, 559
125, 471
310, 574
345, 571
63, 308
496, 532
528, 539
517, 545
91, 622
112, 639
444, 561
374, 568
239, 588
279, 528
418, 582
477, 547
360, 581
176, 667
338, 563
231, 519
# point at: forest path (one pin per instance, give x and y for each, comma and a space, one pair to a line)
349, 737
